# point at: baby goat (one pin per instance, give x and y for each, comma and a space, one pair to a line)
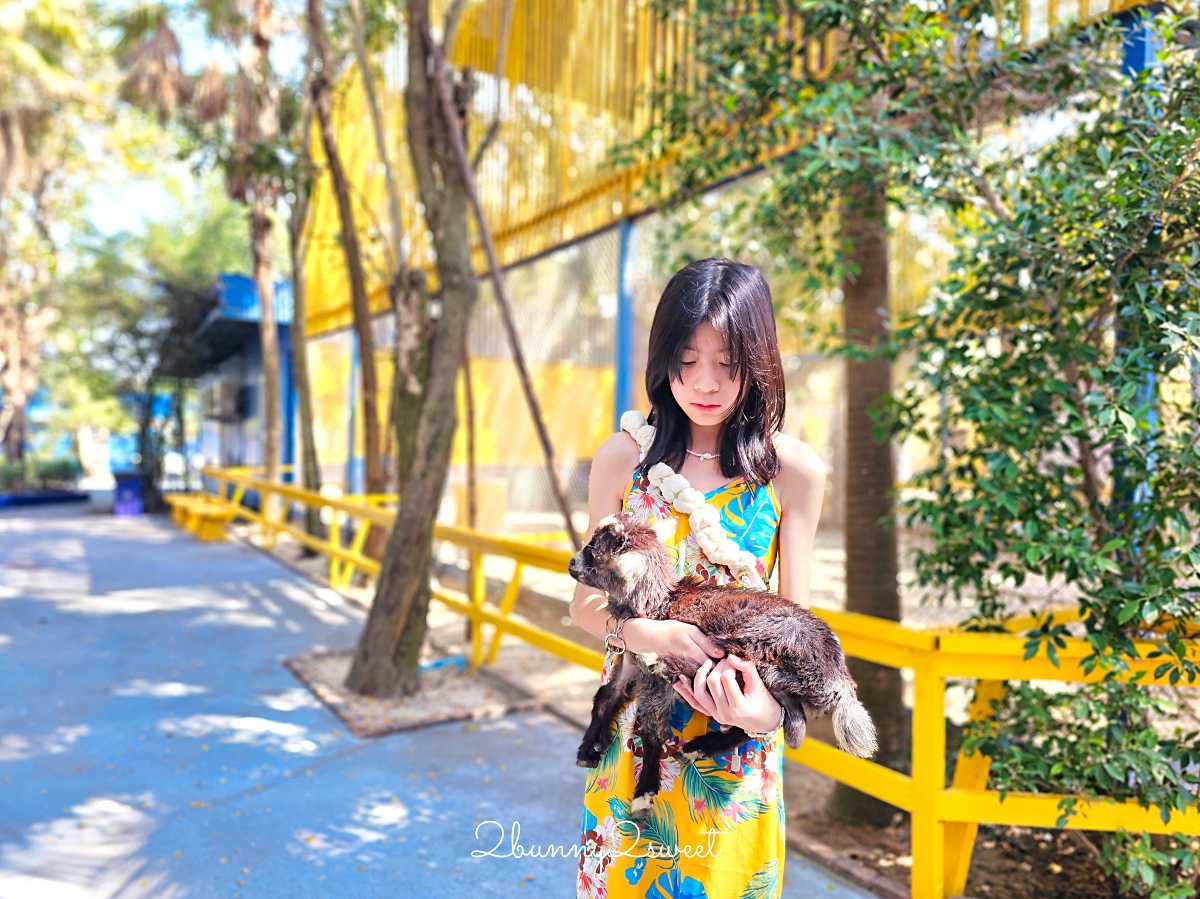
799, 658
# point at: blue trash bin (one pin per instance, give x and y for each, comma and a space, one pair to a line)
127, 496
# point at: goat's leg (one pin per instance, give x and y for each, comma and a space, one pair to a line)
655, 699
609, 698
796, 694
713, 742
795, 722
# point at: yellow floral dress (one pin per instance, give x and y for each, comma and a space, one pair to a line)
717, 827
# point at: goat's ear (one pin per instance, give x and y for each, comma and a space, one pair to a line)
610, 519
665, 528
632, 566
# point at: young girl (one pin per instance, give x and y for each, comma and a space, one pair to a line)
715, 385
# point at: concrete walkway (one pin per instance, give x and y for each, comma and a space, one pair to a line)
151, 743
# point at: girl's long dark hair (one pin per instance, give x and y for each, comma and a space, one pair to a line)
735, 299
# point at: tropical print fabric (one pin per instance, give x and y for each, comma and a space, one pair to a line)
717, 827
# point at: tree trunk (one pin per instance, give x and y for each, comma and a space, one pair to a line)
148, 449
14, 434
388, 654
871, 564
310, 469
413, 331
260, 251
12, 388
310, 466
180, 432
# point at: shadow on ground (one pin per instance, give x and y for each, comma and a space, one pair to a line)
151, 743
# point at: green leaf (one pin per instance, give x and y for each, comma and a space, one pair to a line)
1129, 611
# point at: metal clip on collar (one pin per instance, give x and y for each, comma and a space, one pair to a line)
615, 633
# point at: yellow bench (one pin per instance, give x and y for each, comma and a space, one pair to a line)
207, 520
179, 503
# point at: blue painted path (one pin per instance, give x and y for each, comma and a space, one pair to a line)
152, 745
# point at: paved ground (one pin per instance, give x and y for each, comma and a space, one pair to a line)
151, 743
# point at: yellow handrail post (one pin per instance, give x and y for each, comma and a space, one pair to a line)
478, 588
506, 606
928, 777
970, 773
356, 547
335, 540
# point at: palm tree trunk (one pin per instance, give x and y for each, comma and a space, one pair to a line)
12, 385
871, 565
260, 252
180, 428
150, 449
388, 653
310, 468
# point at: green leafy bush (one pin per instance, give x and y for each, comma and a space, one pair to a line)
1057, 378
57, 472
39, 474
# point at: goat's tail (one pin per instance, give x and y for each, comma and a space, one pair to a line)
852, 725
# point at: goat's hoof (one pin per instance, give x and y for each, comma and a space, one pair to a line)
642, 805
587, 758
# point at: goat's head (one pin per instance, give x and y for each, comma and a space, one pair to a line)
627, 560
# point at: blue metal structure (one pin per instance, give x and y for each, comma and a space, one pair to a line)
355, 469
232, 331
623, 362
1142, 45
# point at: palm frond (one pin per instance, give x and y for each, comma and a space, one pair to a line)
209, 99
762, 884
135, 25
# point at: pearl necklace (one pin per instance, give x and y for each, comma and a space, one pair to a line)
704, 457
705, 520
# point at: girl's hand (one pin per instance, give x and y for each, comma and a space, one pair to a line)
715, 692
670, 638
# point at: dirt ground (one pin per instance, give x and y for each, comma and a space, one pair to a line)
1008, 862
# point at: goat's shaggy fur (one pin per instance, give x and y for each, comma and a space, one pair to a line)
799, 658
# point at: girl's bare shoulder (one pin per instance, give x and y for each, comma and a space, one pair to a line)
612, 465
617, 455
800, 469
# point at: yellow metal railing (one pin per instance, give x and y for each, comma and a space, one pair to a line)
577, 83
944, 820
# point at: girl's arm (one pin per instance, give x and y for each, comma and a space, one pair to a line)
612, 464
800, 487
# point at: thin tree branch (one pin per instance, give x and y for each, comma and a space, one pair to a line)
357, 28
450, 27
501, 58
454, 129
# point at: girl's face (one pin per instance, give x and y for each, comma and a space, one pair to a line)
706, 390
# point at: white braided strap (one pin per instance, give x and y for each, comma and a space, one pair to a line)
705, 520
